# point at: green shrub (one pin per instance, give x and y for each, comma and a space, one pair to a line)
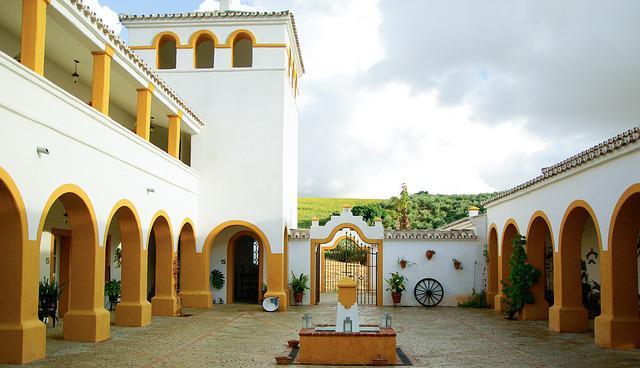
521, 278
217, 279
299, 283
475, 300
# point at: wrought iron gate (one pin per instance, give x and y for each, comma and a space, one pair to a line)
351, 258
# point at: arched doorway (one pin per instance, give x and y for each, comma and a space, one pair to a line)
540, 255
124, 233
163, 301
492, 273
359, 253
579, 231
245, 268
216, 258
510, 231
619, 326
194, 279
22, 335
86, 318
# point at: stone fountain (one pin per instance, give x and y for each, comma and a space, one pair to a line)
347, 342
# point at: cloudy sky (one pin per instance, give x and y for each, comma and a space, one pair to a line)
448, 96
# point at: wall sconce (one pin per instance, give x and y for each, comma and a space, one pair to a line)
66, 218
75, 74
42, 151
347, 325
150, 190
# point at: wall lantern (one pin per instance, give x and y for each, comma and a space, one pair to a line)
75, 74
386, 320
307, 321
42, 151
150, 190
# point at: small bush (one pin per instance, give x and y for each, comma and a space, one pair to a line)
475, 300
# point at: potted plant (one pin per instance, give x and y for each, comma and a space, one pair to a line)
298, 285
402, 262
112, 289
49, 293
397, 284
217, 279
430, 253
457, 264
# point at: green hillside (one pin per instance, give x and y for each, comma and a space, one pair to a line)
425, 210
324, 207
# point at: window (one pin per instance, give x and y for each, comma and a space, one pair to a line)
205, 49
242, 51
167, 52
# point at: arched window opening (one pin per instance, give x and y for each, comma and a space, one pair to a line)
242, 51
167, 52
204, 53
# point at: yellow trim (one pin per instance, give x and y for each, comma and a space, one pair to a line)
193, 43
323, 250
493, 285
158, 39
194, 290
143, 115
474, 208
174, 136
32, 41
22, 335
165, 302
86, 320
584, 205
101, 79
315, 242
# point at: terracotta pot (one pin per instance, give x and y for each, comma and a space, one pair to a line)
430, 254
396, 297
379, 362
293, 343
457, 265
403, 263
297, 297
283, 360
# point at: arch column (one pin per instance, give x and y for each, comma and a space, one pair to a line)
22, 335
276, 278
536, 249
133, 310
194, 276
164, 303
567, 313
492, 266
618, 326
510, 231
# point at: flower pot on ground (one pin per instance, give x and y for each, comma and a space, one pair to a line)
299, 286
293, 343
396, 283
49, 292
430, 253
283, 360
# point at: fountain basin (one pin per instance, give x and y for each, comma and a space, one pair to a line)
322, 345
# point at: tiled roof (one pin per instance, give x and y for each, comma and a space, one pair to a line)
430, 234
221, 14
405, 234
631, 136
124, 49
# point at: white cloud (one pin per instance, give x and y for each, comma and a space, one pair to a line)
109, 17
212, 5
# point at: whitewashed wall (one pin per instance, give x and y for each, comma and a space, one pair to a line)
457, 284
87, 149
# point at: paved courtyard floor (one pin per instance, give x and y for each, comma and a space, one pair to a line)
245, 336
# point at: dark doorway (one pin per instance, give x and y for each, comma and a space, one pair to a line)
246, 261
151, 267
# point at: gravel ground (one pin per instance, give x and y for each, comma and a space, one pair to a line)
245, 336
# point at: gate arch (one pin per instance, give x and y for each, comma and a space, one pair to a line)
315, 262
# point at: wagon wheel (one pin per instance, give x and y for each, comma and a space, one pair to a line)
428, 292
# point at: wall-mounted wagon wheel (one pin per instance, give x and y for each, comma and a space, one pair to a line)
428, 292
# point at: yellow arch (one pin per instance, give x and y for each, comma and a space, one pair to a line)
510, 221
314, 243
579, 203
632, 190
157, 38
208, 243
196, 35
156, 216
17, 197
543, 215
238, 33
120, 204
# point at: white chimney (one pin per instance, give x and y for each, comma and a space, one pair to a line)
474, 211
224, 5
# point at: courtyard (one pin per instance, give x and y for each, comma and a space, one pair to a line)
243, 335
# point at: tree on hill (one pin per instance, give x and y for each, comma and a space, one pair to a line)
403, 209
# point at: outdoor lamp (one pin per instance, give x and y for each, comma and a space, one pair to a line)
347, 325
306, 321
387, 320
